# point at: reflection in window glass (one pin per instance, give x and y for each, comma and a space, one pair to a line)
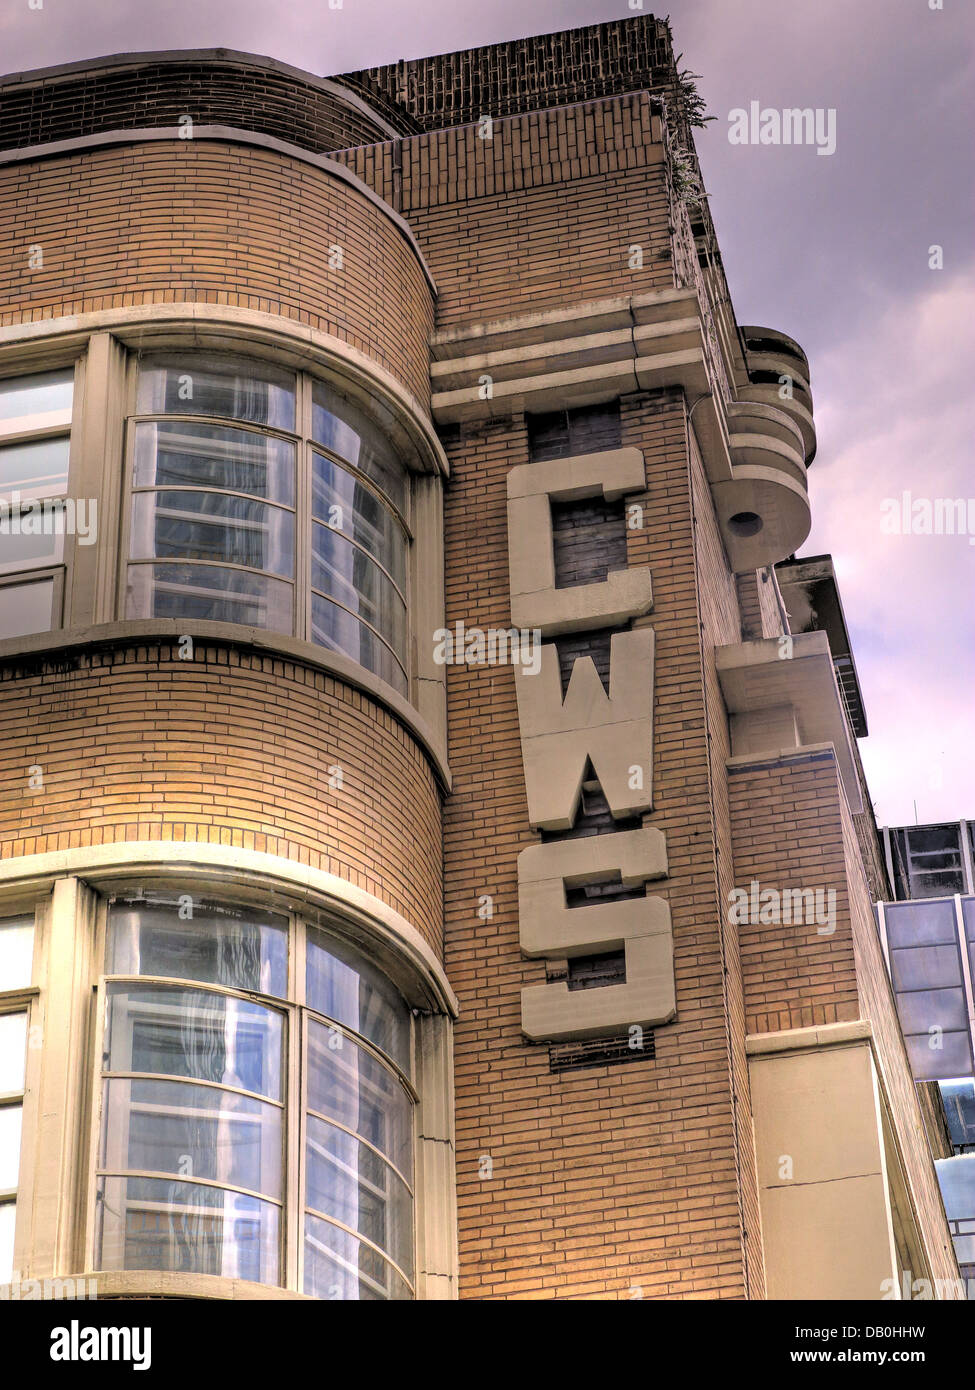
195, 1148
8, 1219
16, 951
179, 1128
196, 385
237, 947
337, 1266
348, 1181
339, 631
178, 454
209, 594
27, 607
344, 986
197, 1034
351, 1086
189, 1228
10, 1126
37, 468
39, 394
347, 432
13, 1051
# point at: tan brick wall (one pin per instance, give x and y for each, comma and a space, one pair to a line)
543, 213
786, 833
231, 748
622, 1175
192, 221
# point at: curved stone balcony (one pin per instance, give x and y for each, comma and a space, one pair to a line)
764, 508
769, 356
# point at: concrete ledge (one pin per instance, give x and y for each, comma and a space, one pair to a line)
801, 1039
140, 1284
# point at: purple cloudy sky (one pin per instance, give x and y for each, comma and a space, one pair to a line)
833, 250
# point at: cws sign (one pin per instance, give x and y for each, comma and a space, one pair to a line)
560, 738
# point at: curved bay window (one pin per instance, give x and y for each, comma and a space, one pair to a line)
257, 1110
264, 498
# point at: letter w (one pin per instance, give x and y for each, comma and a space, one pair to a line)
614, 732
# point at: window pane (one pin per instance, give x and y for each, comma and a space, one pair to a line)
925, 967
192, 1131
347, 505
339, 631
196, 1034
237, 947
179, 454
16, 951
348, 432
37, 394
154, 1224
193, 385
350, 1182
10, 1126
8, 1219
924, 1009
337, 1266
340, 984
209, 594
37, 468
345, 573
346, 1083
13, 1051
920, 924
26, 608
212, 526
928, 1063
32, 536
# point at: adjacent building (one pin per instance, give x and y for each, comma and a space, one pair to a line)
435, 853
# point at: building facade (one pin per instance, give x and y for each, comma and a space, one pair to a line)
433, 863
928, 934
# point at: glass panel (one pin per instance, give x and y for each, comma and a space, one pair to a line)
346, 1083
192, 1132
26, 608
36, 395
38, 468
177, 454
337, 1266
212, 526
342, 985
932, 1008
13, 1051
339, 631
240, 948
920, 924
350, 1182
32, 536
341, 501
196, 1034
958, 1099
344, 572
209, 594
8, 1219
10, 1126
16, 952
238, 390
154, 1224
926, 967
348, 432
953, 1058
